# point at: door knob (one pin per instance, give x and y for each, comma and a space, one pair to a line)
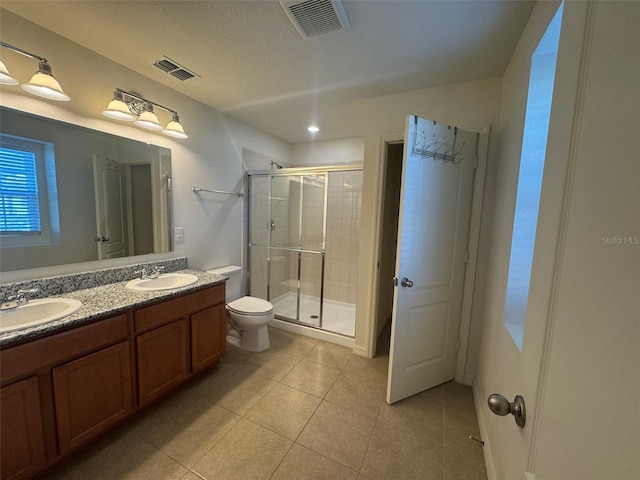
405, 282
499, 405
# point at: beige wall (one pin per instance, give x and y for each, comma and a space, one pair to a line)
210, 158
328, 152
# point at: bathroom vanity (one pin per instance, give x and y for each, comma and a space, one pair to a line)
65, 386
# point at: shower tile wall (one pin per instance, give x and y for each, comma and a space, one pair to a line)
343, 232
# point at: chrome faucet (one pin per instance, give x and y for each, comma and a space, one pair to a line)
146, 273
155, 273
14, 301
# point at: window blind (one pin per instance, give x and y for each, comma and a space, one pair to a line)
19, 206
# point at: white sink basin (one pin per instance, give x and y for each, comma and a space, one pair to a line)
165, 281
36, 312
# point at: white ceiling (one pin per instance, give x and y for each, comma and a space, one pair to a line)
254, 64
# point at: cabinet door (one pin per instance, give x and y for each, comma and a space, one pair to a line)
92, 394
208, 337
162, 360
21, 436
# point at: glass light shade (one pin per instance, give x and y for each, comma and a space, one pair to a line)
148, 120
118, 110
174, 129
44, 85
5, 76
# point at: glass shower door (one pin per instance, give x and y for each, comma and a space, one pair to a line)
287, 215
303, 244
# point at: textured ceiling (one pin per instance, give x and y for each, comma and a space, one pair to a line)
254, 65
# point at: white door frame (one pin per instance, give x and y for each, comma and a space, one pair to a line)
474, 237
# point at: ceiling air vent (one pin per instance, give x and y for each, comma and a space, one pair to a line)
313, 18
174, 68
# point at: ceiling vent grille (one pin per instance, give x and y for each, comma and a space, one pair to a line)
174, 68
313, 18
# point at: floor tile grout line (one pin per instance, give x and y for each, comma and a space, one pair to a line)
190, 468
371, 438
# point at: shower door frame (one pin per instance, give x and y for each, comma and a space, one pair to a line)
299, 172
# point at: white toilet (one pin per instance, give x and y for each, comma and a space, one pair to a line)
248, 316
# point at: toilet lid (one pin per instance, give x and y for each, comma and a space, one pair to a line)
250, 305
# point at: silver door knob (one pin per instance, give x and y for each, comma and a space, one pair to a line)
405, 282
499, 405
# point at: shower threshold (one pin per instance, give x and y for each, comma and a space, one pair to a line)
337, 317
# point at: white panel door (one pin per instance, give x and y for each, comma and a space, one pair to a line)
433, 232
108, 179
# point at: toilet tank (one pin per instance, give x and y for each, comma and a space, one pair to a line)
234, 284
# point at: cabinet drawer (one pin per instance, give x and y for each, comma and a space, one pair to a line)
169, 310
29, 357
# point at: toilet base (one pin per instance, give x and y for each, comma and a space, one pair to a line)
252, 340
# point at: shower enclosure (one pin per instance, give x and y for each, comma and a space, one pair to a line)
304, 225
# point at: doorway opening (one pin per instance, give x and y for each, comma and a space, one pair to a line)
388, 241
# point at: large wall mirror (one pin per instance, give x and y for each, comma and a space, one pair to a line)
69, 194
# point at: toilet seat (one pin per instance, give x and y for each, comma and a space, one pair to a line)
250, 306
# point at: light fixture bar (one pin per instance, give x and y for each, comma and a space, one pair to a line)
42, 84
142, 113
144, 100
23, 52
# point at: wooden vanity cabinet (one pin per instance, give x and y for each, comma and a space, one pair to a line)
208, 337
92, 394
60, 391
162, 360
177, 338
49, 391
22, 434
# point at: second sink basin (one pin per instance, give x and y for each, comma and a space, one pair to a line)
165, 281
36, 312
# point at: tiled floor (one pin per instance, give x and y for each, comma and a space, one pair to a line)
304, 409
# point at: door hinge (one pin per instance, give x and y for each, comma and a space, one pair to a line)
475, 162
458, 343
466, 256
395, 281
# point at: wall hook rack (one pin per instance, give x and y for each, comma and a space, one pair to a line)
433, 150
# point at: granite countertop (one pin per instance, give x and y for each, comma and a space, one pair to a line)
107, 300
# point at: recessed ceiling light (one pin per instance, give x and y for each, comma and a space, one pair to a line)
313, 129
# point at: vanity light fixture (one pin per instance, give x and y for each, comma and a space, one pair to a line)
5, 76
148, 119
129, 107
42, 84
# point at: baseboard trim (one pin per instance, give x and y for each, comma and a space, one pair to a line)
361, 351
